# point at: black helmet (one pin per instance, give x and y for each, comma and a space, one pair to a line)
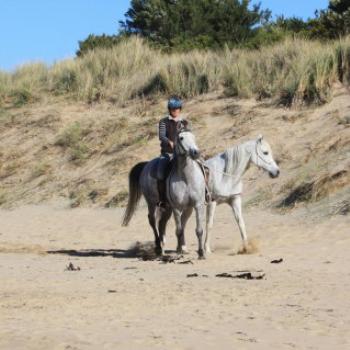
174, 103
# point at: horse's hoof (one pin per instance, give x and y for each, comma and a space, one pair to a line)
201, 255
158, 251
208, 250
182, 250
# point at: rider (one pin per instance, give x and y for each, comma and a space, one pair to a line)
168, 128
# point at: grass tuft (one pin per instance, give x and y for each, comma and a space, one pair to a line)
294, 72
72, 139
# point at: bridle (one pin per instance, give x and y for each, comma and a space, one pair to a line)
180, 146
259, 156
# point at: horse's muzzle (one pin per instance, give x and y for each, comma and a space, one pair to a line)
194, 154
274, 174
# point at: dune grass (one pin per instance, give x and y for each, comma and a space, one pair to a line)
72, 138
293, 72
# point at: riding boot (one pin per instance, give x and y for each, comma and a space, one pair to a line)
162, 193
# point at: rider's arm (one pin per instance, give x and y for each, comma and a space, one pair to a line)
162, 132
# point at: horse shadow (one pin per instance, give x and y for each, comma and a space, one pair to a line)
140, 250
114, 253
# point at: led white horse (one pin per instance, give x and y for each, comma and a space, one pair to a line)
225, 184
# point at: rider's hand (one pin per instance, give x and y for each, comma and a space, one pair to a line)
171, 143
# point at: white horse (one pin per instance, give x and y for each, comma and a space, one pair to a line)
225, 179
185, 192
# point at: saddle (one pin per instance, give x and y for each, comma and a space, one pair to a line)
166, 170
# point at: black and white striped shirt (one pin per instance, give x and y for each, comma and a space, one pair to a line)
167, 131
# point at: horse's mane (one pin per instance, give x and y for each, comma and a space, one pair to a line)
234, 160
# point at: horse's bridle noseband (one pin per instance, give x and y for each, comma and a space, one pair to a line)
181, 146
259, 156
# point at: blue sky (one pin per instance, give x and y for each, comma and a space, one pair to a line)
49, 30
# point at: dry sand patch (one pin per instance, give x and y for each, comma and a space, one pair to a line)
116, 300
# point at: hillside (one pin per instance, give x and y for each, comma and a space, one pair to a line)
78, 153
73, 278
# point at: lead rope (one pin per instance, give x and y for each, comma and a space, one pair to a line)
204, 169
202, 164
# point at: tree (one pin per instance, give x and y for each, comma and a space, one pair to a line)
333, 22
95, 41
292, 24
200, 23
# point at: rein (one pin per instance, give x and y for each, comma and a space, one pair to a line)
181, 148
215, 170
185, 153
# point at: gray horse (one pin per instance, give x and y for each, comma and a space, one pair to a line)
185, 192
225, 180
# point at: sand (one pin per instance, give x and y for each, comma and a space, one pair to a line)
117, 301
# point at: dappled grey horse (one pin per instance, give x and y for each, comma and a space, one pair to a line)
185, 192
225, 179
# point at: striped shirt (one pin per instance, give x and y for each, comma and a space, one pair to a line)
168, 128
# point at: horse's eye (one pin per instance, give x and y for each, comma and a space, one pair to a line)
266, 153
181, 138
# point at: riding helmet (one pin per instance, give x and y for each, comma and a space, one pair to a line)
174, 103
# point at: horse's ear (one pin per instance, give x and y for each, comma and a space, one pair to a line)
183, 126
187, 125
260, 138
180, 128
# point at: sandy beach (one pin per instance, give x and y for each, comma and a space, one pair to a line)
116, 300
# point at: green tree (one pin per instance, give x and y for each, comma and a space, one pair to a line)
199, 23
95, 41
291, 24
332, 22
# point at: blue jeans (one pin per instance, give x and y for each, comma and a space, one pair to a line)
163, 164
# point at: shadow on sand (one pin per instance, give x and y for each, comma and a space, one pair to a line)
141, 250
115, 253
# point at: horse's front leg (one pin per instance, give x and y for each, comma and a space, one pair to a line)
184, 218
179, 231
236, 205
209, 224
200, 216
153, 221
165, 216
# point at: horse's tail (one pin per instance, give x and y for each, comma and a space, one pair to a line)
134, 192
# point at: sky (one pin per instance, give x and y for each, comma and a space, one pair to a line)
49, 30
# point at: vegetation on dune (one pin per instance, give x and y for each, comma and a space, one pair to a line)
72, 139
294, 71
191, 47
184, 25
317, 188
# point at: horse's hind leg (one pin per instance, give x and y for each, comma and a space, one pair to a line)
209, 224
165, 216
153, 221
